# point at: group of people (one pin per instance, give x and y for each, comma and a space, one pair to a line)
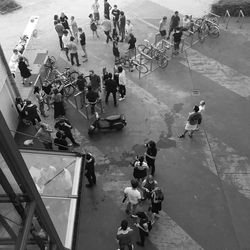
177, 27
143, 187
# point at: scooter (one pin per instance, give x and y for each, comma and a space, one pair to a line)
117, 122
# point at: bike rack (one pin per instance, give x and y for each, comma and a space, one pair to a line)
226, 18
240, 18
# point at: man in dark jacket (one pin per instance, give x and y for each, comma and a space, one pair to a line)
90, 170
92, 98
64, 126
95, 81
81, 85
111, 87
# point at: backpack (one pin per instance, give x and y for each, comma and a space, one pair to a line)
158, 196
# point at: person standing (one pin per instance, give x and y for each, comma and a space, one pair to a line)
124, 236
90, 170
186, 23
107, 9
66, 41
81, 85
128, 30
44, 135
174, 23
177, 40
95, 8
150, 154
47, 88
111, 87
106, 25
131, 48
194, 119
116, 14
122, 83
24, 70
95, 81
59, 29
116, 51
140, 169
64, 126
64, 21
157, 198
134, 197
93, 26
74, 28
83, 42
92, 97
73, 51
163, 27
57, 100
39, 97
122, 26
148, 185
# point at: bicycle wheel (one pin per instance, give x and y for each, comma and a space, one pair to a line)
143, 48
73, 76
199, 21
141, 68
162, 62
214, 31
68, 90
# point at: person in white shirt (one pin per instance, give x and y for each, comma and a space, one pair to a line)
74, 28
134, 197
186, 23
163, 27
66, 41
95, 8
202, 106
122, 83
128, 29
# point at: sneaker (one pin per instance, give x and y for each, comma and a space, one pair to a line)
133, 216
181, 136
70, 144
121, 99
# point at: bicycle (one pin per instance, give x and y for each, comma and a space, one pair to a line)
154, 52
207, 27
130, 63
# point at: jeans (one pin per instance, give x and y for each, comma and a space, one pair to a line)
60, 42
67, 52
151, 164
107, 33
70, 136
114, 97
72, 56
41, 108
116, 23
122, 33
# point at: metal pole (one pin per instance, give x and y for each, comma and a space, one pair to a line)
12, 81
8, 228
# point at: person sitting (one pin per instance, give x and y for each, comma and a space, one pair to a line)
92, 98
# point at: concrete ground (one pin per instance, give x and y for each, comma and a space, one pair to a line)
205, 179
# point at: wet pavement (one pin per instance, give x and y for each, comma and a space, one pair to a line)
205, 179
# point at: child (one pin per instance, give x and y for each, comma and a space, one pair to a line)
177, 39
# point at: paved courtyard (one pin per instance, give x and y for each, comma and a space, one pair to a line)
206, 180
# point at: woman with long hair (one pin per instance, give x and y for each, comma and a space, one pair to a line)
140, 169
150, 154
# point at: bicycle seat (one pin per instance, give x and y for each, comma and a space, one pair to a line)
67, 68
112, 118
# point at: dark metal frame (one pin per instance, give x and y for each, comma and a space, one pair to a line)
34, 204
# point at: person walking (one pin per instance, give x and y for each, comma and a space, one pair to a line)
116, 15
163, 27
134, 197
66, 41
64, 126
24, 70
106, 25
122, 83
81, 84
131, 48
57, 100
122, 26
95, 81
39, 97
95, 8
59, 29
150, 154
83, 42
90, 170
111, 88
44, 135
74, 28
93, 25
124, 236
174, 23
73, 52
194, 119
107, 8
